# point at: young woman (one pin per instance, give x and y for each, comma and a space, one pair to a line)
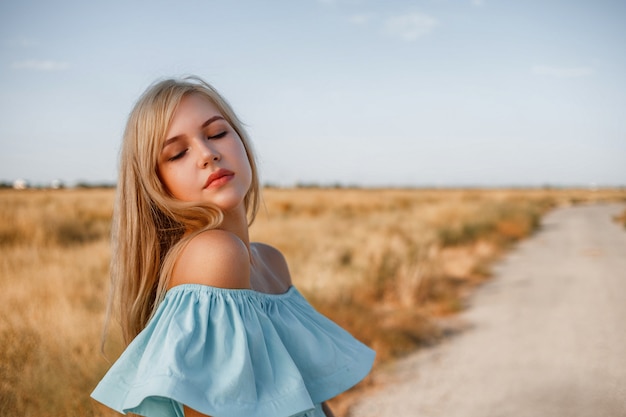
212, 322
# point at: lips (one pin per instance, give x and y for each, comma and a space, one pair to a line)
219, 177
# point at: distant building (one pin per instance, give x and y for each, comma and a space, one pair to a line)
56, 184
20, 184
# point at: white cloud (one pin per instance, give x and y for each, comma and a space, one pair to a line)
409, 27
361, 19
38, 65
478, 3
561, 72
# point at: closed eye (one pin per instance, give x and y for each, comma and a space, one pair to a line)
178, 155
218, 136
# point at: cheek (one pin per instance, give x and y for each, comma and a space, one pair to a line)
242, 159
172, 182
246, 167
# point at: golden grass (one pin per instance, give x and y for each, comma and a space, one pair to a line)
621, 218
383, 263
54, 262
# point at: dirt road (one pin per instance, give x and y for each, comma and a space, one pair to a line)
545, 337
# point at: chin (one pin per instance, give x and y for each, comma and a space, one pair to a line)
228, 204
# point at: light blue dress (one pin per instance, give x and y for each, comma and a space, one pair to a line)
234, 353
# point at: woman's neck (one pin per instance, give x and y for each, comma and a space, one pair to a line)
236, 222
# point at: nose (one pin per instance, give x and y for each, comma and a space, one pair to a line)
207, 152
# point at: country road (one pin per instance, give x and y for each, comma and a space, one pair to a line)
545, 337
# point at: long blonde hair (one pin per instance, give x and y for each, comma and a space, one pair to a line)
148, 223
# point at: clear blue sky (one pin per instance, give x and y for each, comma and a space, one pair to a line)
432, 92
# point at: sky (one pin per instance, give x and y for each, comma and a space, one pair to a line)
350, 92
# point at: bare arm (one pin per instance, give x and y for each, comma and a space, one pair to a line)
189, 412
327, 410
193, 413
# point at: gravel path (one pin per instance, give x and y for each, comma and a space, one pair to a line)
545, 337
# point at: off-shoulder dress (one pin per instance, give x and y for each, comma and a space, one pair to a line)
234, 353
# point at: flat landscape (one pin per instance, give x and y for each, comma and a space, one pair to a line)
392, 266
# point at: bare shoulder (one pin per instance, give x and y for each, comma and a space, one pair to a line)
275, 262
216, 258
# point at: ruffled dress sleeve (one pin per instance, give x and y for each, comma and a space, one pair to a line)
234, 353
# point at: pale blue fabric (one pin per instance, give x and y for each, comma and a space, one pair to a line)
234, 353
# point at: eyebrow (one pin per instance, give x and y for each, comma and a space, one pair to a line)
205, 124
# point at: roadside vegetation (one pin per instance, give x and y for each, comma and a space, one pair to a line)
621, 219
389, 265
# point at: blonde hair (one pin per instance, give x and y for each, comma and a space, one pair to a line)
148, 223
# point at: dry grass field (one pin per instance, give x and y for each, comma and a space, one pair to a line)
386, 264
